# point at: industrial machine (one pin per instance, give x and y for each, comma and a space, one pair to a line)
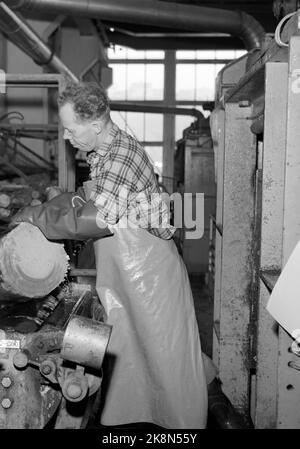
194, 168
256, 135
51, 348
51, 353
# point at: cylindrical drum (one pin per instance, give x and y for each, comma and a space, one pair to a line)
85, 342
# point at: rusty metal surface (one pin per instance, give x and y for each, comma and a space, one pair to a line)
219, 150
32, 369
265, 391
288, 378
273, 169
236, 269
31, 401
77, 416
273, 390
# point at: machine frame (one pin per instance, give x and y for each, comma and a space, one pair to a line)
256, 136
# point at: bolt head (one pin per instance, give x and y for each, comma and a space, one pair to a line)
20, 360
6, 382
46, 369
6, 403
74, 391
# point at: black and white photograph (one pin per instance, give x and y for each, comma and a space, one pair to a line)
149, 220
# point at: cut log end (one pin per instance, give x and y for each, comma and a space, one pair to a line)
31, 266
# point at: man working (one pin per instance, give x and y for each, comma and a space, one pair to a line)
157, 374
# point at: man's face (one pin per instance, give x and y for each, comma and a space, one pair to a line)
82, 135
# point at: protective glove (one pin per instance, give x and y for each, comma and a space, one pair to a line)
67, 216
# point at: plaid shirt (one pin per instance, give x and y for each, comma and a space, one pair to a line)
126, 185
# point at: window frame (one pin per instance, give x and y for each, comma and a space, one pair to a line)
170, 62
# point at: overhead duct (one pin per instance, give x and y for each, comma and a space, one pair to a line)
155, 13
24, 37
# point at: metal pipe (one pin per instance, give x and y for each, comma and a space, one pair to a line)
24, 37
150, 12
162, 35
175, 43
153, 109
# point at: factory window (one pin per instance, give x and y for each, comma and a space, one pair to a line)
139, 77
137, 82
118, 52
147, 128
195, 82
195, 54
196, 72
210, 54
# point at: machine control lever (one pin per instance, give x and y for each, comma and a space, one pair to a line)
47, 367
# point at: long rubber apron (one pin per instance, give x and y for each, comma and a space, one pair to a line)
157, 372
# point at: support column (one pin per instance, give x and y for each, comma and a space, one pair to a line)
3, 66
271, 241
237, 264
289, 378
169, 120
66, 156
219, 148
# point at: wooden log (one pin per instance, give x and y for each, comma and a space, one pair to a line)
4, 200
35, 194
21, 198
35, 202
4, 213
30, 265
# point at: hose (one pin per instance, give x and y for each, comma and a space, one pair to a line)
278, 29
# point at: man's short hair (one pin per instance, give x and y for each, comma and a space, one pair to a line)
88, 99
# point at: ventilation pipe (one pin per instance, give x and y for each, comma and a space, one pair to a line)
25, 38
154, 13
